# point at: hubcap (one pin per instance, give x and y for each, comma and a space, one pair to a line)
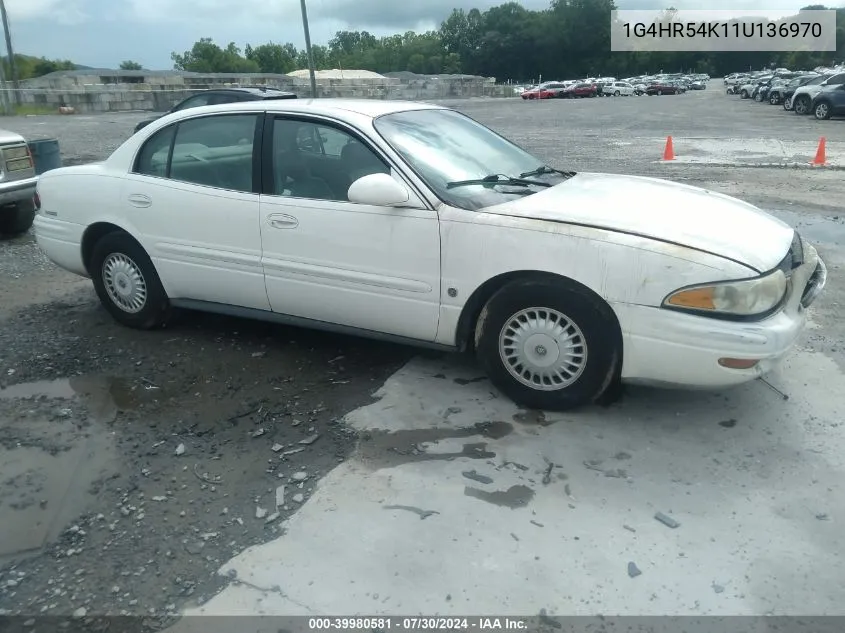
821, 110
124, 283
543, 349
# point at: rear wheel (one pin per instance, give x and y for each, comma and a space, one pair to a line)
548, 344
774, 100
127, 283
617, 93
17, 218
801, 105
744, 94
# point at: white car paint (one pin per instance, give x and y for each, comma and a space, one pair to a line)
409, 271
812, 91
623, 88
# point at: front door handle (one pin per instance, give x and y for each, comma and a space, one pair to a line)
282, 221
140, 200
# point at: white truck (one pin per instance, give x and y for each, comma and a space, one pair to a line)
17, 184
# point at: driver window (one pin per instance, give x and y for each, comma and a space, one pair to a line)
317, 161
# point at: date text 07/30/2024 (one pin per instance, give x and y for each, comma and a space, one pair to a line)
384, 623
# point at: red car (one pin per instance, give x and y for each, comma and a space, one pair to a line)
549, 90
579, 91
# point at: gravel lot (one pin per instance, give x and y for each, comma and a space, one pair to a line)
133, 465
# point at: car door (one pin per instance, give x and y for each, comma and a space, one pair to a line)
193, 198
328, 259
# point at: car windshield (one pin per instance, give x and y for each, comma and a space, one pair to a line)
444, 146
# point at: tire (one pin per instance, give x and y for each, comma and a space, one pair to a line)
787, 105
584, 316
801, 105
744, 94
617, 94
774, 99
126, 258
17, 218
822, 111
758, 97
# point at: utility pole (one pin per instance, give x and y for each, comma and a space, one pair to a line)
308, 51
11, 53
4, 93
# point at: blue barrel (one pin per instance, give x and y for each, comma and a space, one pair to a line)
45, 154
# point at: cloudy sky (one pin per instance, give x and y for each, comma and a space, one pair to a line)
102, 33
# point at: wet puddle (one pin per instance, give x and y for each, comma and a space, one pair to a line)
49, 481
513, 498
104, 396
50, 466
383, 449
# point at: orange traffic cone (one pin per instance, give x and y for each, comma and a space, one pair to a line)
820, 158
669, 152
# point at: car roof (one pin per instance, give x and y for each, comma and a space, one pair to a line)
259, 92
367, 107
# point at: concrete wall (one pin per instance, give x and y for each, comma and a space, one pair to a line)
161, 93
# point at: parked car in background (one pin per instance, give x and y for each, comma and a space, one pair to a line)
780, 91
192, 212
802, 100
579, 91
17, 184
219, 96
746, 91
547, 90
698, 84
662, 88
620, 89
829, 102
789, 93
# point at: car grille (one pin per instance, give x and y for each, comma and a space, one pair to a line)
16, 158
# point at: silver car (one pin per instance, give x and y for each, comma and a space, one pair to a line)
17, 184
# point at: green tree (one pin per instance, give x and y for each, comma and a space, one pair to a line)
273, 58
207, 57
130, 65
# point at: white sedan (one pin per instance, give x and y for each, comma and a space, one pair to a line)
412, 222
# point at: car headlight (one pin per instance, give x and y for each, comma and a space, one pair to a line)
744, 299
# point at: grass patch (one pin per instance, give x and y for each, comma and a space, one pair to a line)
33, 108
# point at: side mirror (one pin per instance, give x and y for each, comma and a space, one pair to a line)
379, 190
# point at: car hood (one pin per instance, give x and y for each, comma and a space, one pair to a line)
662, 210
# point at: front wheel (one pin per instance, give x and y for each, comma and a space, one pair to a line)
822, 111
17, 218
127, 283
548, 345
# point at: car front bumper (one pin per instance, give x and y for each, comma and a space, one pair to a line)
17, 190
672, 349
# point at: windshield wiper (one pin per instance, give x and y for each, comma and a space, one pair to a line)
545, 169
498, 179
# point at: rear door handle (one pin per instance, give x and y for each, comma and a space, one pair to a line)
282, 221
140, 200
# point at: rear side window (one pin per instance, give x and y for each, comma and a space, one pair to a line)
836, 80
152, 159
215, 151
